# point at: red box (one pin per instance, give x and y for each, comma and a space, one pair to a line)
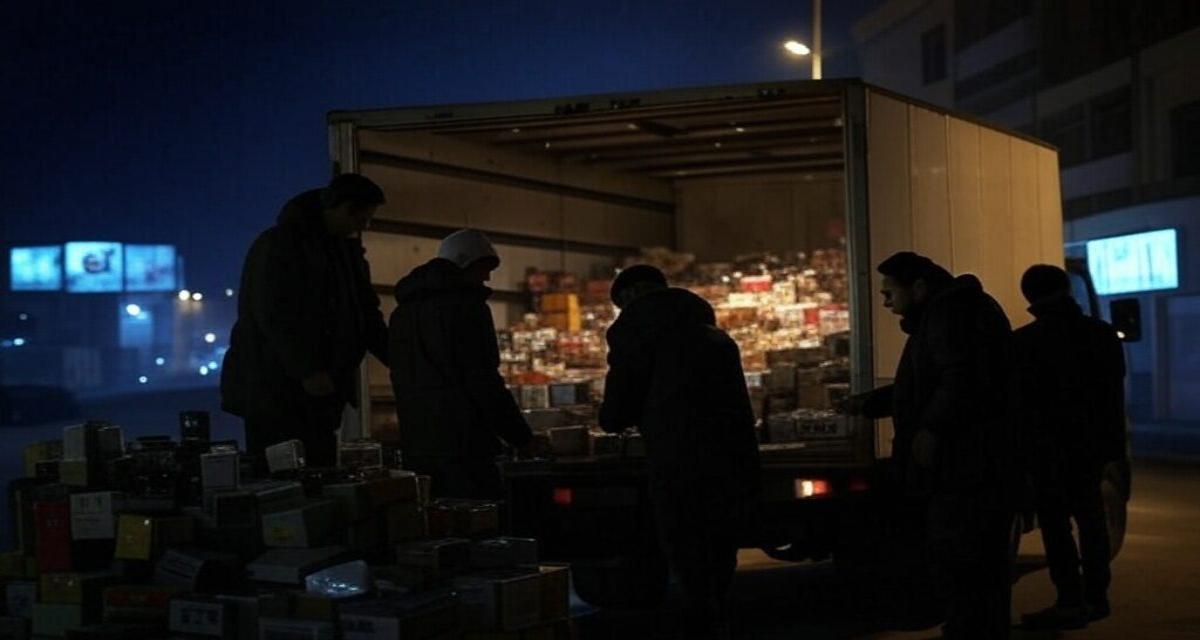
53, 524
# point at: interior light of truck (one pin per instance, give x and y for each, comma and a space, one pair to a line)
563, 496
812, 488
859, 484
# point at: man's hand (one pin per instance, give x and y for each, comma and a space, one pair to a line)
924, 448
319, 385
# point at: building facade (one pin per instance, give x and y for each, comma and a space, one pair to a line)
1113, 85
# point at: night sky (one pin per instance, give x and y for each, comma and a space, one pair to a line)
191, 122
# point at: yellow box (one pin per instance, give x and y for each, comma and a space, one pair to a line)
74, 588
142, 537
41, 452
559, 302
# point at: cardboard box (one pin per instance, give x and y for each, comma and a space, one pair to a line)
353, 497
19, 597
604, 444
41, 452
312, 525
500, 600
203, 617
405, 522
822, 425
74, 473
569, 441
812, 397
535, 396
143, 537
781, 378
311, 606
290, 566
285, 456
75, 588
494, 553
555, 590
569, 394
444, 557
93, 515
780, 404
397, 486
558, 303
424, 615
463, 518
248, 609
53, 620
542, 420
288, 629
276, 495
15, 628
781, 428
198, 570
220, 470
53, 532
363, 454
139, 603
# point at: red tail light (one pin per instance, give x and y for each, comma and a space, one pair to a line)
563, 496
812, 487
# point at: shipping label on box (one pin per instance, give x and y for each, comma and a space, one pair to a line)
20, 596
203, 617
500, 600
93, 515
503, 552
220, 470
53, 527
309, 526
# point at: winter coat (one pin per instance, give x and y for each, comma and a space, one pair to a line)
450, 398
1073, 385
956, 379
678, 378
306, 305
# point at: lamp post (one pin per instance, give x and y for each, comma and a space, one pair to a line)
798, 49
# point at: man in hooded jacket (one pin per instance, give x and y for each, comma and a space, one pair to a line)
307, 315
1073, 383
451, 401
953, 407
678, 378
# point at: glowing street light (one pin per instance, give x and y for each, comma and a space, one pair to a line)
203, 371
143, 380
133, 310
796, 48
229, 293
184, 294
160, 361
210, 338
197, 296
18, 342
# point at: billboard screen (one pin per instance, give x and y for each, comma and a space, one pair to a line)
35, 268
94, 267
1138, 262
149, 267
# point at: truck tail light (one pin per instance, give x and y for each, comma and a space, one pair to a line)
563, 496
859, 484
812, 487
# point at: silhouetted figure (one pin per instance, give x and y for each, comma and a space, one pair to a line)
307, 315
952, 404
1072, 371
451, 401
678, 378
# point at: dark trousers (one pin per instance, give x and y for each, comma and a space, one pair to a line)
1082, 573
476, 478
701, 548
969, 534
313, 421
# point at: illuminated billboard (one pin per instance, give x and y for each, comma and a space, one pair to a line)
94, 267
35, 268
1138, 262
149, 267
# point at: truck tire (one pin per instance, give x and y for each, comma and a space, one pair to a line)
1114, 488
623, 582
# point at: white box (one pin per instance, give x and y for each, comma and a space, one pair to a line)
93, 515
285, 456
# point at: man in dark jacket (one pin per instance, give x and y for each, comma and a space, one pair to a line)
1073, 385
306, 317
951, 404
451, 401
678, 378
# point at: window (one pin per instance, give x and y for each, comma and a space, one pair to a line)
1110, 124
1185, 139
1067, 130
975, 20
933, 54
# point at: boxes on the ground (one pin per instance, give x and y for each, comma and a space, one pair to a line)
838, 391
821, 424
500, 600
444, 557
781, 428
567, 394
52, 522
74, 473
19, 597
53, 620
812, 396
41, 452
346, 580
74, 588
312, 525
569, 441
361, 454
404, 522
781, 377
800, 357
139, 603
290, 629
220, 470
200, 616
424, 615
535, 396
781, 404
558, 302
494, 553
290, 566
95, 439
271, 496
285, 456
14, 628
602, 444
354, 498
540, 420
250, 608
143, 537
555, 590
93, 515
198, 570
463, 518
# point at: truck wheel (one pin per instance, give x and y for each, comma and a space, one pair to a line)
1116, 502
623, 582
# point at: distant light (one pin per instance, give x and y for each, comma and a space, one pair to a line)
795, 48
811, 488
18, 342
717, 145
133, 310
1121, 335
547, 145
632, 126
229, 293
516, 130
23, 317
197, 296
160, 361
212, 366
143, 379
184, 294
210, 338
203, 371
740, 129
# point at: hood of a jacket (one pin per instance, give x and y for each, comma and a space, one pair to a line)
1058, 306
436, 277
669, 308
962, 286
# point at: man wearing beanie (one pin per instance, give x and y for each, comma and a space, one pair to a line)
678, 378
307, 315
1073, 386
453, 407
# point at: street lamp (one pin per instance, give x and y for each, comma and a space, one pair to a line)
798, 49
